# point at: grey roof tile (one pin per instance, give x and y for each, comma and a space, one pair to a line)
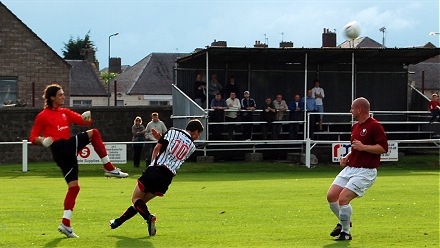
361, 42
85, 80
153, 75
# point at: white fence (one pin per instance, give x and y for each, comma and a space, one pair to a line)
307, 145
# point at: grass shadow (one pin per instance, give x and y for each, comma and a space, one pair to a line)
123, 241
55, 242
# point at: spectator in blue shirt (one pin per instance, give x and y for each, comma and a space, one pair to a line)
310, 107
295, 114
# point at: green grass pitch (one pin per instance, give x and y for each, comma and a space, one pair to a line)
234, 204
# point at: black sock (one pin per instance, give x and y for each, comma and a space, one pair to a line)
130, 212
142, 209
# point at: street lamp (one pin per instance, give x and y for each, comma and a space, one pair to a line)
108, 83
435, 33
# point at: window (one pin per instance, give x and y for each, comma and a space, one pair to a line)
82, 103
8, 89
159, 103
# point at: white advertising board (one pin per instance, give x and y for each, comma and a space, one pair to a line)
341, 149
117, 154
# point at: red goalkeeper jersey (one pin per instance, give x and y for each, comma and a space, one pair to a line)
55, 123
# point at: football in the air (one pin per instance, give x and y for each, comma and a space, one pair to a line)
352, 30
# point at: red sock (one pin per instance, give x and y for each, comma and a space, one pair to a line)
99, 147
66, 222
69, 202
97, 143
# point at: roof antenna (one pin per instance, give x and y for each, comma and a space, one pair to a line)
382, 29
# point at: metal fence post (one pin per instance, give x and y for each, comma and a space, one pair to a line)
308, 152
25, 156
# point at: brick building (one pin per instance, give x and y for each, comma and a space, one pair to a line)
26, 59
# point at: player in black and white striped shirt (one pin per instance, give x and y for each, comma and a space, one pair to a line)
169, 154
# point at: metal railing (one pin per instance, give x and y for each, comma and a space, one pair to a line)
254, 145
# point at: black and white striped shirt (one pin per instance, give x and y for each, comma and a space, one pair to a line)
177, 146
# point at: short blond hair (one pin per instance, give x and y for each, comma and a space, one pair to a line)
137, 118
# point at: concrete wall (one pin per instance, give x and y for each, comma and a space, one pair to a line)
114, 123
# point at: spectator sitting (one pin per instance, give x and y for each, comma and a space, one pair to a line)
281, 107
248, 104
268, 115
295, 114
231, 115
217, 115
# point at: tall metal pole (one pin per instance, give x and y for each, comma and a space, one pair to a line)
108, 83
435, 33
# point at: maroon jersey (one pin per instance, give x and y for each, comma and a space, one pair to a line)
433, 105
370, 132
55, 123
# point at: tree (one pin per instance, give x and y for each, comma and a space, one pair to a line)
107, 77
80, 48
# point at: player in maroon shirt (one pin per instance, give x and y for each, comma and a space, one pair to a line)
434, 108
368, 142
53, 123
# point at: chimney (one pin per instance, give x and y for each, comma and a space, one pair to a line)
286, 44
115, 65
328, 38
258, 44
219, 43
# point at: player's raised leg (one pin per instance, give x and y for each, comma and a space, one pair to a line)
98, 145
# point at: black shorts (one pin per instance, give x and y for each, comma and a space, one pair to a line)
155, 180
64, 153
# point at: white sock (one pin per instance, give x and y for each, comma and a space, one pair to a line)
345, 217
105, 159
334, 206
67, 214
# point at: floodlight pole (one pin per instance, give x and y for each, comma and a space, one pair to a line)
435, 33
108, 69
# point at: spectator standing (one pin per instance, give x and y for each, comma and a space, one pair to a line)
218, 106
295, 114
160, 128
309, 101
281, 107
434, 108
214, 87
200, 91
268, 115
232, 113
318, 94
231, 86
248, 104
138, 131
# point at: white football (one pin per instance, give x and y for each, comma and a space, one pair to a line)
352, 30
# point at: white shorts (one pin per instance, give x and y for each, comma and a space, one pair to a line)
355, 179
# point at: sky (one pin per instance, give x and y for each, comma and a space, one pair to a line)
170, 26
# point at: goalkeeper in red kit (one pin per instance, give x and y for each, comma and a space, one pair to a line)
52, 129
